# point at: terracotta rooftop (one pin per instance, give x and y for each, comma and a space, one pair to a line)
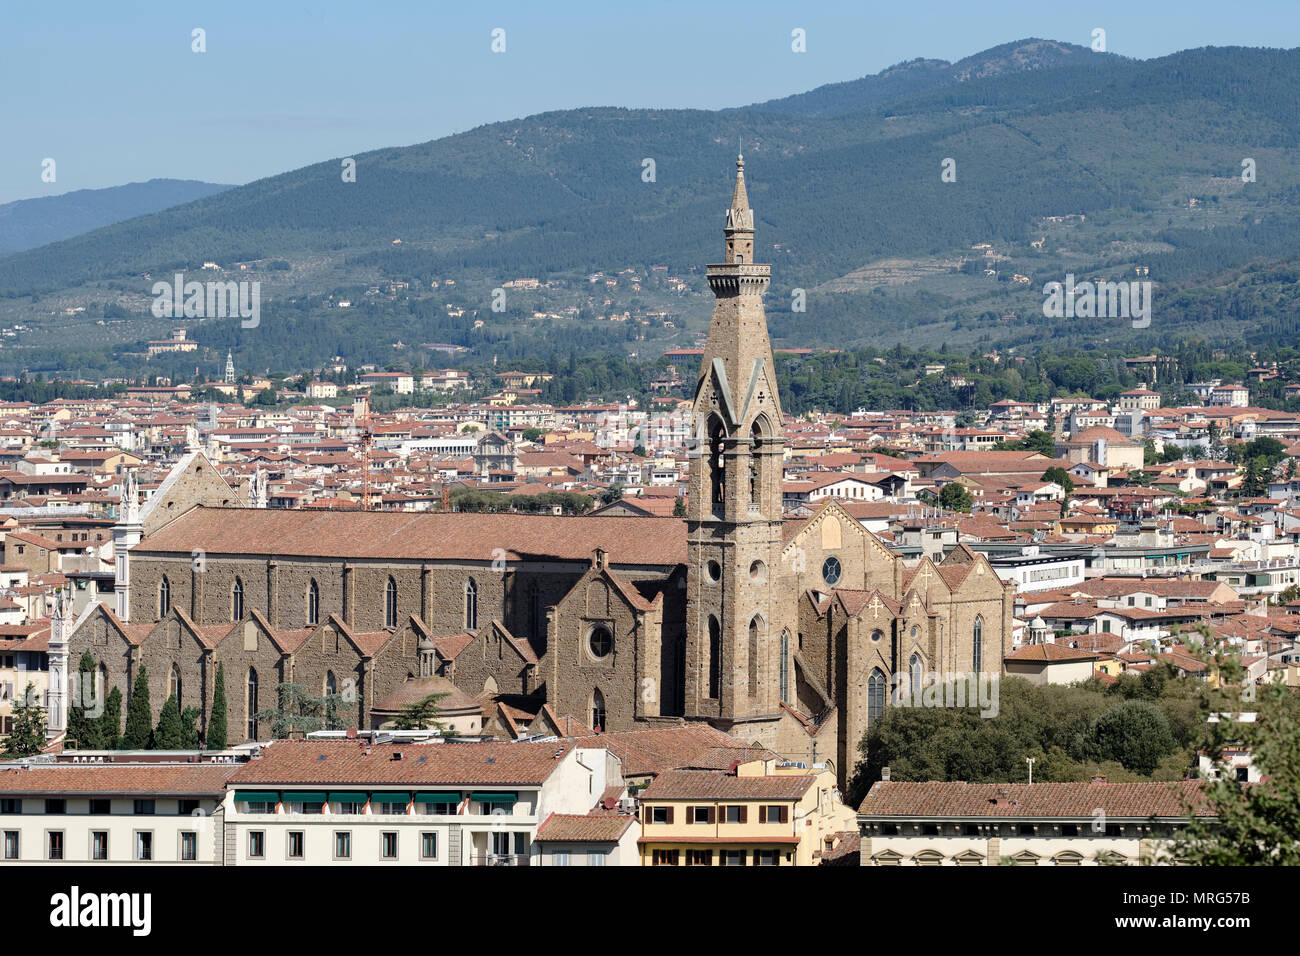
1024, 800
397, 535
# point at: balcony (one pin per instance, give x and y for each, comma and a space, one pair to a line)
499, 859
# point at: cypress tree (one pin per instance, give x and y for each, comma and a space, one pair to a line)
139, 724
82, 729
110, 721
189, 728
167, 736
215, 738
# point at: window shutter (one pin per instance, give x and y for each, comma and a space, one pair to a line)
744, 813
670, 814
762, 814
690, 814
785, 814
712, 818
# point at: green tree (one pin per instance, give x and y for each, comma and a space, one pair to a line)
167, 735
1253, 824
190, 728
298, 712
139, 717
956, 497
215, 738
82, 729
422, 715
679, 507
110, 721
28, 734
1135, 733
1060, 476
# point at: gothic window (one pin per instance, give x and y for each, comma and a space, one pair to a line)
174, 685
313, 602
237, 600
471, 605
390, 604
715, 658
914, 667
331, 684
164, 596
601, 641
536, 623
717, 466
831, 571
597, 709
875, 694
785, 665
250, 703
977, 650
754, 626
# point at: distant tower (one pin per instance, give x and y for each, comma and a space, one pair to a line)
126, 535
733, 616
230, 368
257, 490
56, 709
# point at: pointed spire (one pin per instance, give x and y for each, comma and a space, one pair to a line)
740, 216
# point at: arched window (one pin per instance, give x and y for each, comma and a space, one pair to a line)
390, 603
597, 709
756, 434
977, 650
331, 685
875, 694
174, 685
717, 467
250, 703
313, 602
785, 665
715, 658
164, 596
914, 667
471, 605
754, 627
237, 601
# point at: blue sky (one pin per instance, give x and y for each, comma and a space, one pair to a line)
113, 93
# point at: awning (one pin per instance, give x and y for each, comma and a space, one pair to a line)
437, 798
346, 796
386, 796
494, 797
305, 796
257, 796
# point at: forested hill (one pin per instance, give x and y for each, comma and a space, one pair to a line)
29, 223
1064, 160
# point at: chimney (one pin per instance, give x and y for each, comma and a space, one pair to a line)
884, 774
1098, 778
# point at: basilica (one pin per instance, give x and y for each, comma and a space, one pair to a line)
785, 632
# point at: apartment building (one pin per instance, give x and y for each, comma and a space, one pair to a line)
763, 812
989, 824
341, 802
166, 810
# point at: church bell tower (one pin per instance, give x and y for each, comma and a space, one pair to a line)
734, 645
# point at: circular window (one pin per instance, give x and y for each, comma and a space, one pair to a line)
758, 572
714, 571
831, 571
601, 641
